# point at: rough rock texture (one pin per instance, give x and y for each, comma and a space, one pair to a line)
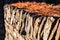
23, 25
39, 8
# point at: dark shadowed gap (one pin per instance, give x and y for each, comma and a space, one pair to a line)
43, 25
23, 32
53, 38
43, 28
36, 35
41, 20
41, 38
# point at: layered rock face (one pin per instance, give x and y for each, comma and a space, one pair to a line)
23, 23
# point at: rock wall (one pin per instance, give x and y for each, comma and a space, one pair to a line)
22, 25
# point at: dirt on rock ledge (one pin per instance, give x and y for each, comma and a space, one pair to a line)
39, 8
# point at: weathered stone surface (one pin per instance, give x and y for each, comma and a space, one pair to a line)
22, 25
